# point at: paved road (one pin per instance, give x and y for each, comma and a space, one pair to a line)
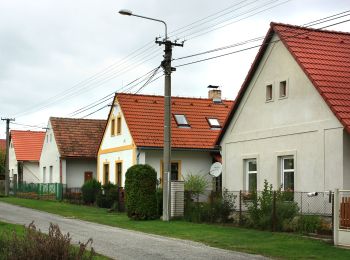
119, 243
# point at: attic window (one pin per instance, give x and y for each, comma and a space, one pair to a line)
214, 122
181, 120
283, 89
269, 92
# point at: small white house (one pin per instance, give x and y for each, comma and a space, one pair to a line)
290, 124
24, 154
134, 135
70, 150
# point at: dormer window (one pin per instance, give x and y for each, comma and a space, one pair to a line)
214, 122
181, 120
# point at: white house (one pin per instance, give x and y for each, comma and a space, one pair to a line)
70, 150
290, 124
24, 154
134, 135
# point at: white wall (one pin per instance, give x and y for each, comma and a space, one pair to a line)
126, 157
50, 156
75, 171
31, 172
192, 162
123, 139
301, 125
12, 160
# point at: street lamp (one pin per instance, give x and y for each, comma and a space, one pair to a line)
166, 65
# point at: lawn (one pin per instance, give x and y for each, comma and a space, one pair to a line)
276, 245
19, 229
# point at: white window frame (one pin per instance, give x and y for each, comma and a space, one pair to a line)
283, 171
248, 172
186, 124
214, 126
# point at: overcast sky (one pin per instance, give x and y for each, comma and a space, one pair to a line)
59, 56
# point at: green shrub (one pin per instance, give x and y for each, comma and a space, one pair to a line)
159, 195
260, 209
217, 210
90, 190
35, 245
309, 224
108, 196
140, 192
196, 184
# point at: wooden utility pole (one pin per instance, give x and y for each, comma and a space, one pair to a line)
7, 169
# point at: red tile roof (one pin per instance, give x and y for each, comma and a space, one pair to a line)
323, 55
3, 145
77, 138
144, 115
27, 144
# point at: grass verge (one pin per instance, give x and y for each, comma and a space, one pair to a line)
275, 245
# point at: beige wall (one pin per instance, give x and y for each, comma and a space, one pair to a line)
301, 125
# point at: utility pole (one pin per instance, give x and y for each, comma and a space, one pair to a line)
166, 65
7, 169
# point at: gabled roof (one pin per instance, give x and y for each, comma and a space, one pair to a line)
77, 138
27, 144
144, 115
3, 145
323, 55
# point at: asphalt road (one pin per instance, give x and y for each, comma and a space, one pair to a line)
119, 243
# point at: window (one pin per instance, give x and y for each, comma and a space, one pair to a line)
87, 176
119, 125
44, 174
113, 127
50, 174
269, 92
287, 173
283, 89
118, 173
214, 122
251, 175
175, 171
105, 173
181, 120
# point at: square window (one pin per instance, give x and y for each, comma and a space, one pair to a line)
214, 122
181, 120
283, 89
269, 92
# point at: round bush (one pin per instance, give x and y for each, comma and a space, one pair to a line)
140, 192
90, 189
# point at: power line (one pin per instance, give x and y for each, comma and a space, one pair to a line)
245, 49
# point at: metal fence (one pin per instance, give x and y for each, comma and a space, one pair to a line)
50, 191
73, 195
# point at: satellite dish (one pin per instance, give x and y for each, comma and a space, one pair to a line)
215, 169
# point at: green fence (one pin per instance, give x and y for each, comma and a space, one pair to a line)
47, 190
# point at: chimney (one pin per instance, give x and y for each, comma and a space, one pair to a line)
214, 93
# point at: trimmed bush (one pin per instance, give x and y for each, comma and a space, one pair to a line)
140, 192
90, 190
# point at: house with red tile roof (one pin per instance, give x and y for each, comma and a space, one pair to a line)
24, 154
134, 135
290, 124
70, 150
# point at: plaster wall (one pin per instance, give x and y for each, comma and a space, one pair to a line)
76, 169
50, 156
300, 124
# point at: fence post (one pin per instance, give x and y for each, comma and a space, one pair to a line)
274, 212
240, 207
332, 198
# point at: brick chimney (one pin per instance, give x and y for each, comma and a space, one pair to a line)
214, 93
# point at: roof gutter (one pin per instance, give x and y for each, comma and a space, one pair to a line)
217, 148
